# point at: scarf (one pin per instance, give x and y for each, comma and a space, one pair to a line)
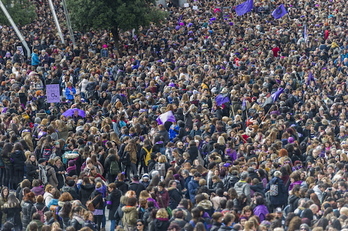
71, 168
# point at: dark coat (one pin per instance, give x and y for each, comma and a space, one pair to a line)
85, 192
174, 197
97, 198
282, 196
31, 171
137, 187
113, 202
160, 224
192, 189
216, 226
26, 212
72, 192
193, 151
217, 185
38, 207
123, 186
13, 213
18, 160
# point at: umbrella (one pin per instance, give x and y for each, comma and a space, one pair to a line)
70, 112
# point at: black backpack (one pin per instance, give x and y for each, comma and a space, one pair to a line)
125, 159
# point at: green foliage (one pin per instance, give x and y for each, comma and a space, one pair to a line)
113, 14
21, 11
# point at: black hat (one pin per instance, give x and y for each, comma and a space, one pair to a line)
41, 160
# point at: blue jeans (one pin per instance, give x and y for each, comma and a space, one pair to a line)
112, 225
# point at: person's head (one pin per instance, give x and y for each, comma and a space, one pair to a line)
277, 174
65, 197
111, 187
140, 224
29, 197
228, 219
174, 227
88, 215
131, 194
33, 226
217, 217
131, 201
161, 185
162, 213
48, 215
197, 176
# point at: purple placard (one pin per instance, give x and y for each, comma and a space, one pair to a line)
52, 93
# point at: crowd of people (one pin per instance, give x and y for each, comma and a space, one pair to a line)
208, 121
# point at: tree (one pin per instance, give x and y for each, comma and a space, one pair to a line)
113, 15
21, 11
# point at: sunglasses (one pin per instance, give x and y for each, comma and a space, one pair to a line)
139, 224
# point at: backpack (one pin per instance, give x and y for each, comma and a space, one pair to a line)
161, 168
114, 168
273, 191
42, 218
147, 156
125, 159
46, 153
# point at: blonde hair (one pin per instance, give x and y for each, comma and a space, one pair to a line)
162, 213
162, 159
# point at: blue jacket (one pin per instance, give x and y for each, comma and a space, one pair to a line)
35, 59
68, 94
192, 188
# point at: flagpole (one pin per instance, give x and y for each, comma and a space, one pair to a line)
264, 117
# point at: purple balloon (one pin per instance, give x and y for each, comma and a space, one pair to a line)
177, 28
182, 24
212, 19
231, 23
190, 24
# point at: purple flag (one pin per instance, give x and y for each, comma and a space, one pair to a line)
167, 116
279, 12
245, 7
310, 78
243, 105
305, 35
276, 94
179, 19
221, 99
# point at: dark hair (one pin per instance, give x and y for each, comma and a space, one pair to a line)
260, 201
131, 201
229, 217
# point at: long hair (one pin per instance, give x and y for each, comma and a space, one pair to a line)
12, 201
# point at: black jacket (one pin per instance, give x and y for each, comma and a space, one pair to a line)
72, 192
26, 212
174, 197
31, 171
113, 202
85, 192
137, 187
193, 151
38, 207
18, 160
97, 198
123, 186
216, 226
160, 225
13, 213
